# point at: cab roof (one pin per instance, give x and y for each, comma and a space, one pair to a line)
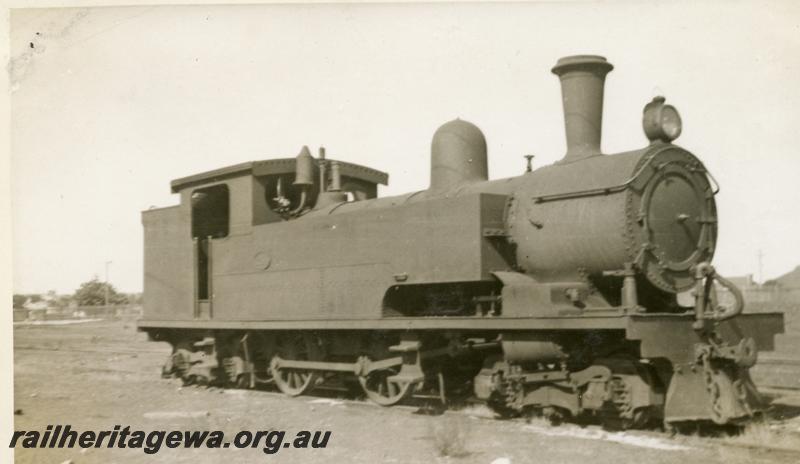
273, 166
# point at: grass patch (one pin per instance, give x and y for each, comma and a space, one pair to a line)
762, 434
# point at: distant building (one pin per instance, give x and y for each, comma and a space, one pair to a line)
771, 295
787, 286
745, 282
40, 305
751, 290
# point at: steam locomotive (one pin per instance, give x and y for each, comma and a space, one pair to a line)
555, 291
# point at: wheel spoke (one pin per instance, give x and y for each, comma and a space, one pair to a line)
292, 382
381, 390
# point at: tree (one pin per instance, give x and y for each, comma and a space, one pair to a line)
19, 300
62, 301
134, 298
93, 293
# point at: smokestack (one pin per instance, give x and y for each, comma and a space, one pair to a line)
582, 80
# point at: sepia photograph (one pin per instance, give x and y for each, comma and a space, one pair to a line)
413, 232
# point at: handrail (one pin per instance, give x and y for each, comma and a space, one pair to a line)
738, 305
705, 276
599, 190
617, 188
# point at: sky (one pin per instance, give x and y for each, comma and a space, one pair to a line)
110, 104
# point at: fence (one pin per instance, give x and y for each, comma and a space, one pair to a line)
78, 312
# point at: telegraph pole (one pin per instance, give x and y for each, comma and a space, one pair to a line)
105, 287
760, 267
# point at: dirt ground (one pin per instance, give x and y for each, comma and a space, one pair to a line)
99, 374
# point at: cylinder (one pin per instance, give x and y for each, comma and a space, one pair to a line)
527, 347
458, 155
304, 168
582, 83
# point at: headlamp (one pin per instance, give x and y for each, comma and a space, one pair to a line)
660, 121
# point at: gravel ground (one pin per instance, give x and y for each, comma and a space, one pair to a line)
98, 374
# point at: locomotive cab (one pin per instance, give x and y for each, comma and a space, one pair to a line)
220, 208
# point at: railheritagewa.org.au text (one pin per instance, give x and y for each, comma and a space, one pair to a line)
270, 442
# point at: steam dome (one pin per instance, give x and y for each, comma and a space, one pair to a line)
458, 155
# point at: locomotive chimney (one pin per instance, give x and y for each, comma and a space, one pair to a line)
582, 80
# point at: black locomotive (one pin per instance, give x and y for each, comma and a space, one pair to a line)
554, 291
